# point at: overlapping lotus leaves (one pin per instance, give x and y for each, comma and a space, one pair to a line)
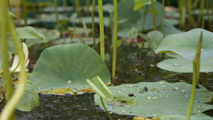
184, 65
162, 98
135, 18
29, 100
185, 44
68, 66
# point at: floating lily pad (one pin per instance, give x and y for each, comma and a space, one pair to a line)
122, 101
85, 40
185, 44
29, 100
184, 65
88, 20
63, 63
199, 116
169, 29
161, 98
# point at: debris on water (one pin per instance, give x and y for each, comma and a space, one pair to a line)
197, 86
155, 90
176, 65
173, 88
130, 94
129, 86
145, 88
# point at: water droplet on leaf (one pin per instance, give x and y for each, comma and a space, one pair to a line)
176, 65
69, 81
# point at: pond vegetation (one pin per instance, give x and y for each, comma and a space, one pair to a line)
99, 59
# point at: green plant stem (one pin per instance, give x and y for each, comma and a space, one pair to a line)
93, 25
25, 12
181, 5
196, 71
211, 101
162, 17
141, 50
65, 5
208, 14
105, 108
11, 104
8, 4
88, 4
101, 20
115, 44
56, 12
154, 15
202, 11
4, 31
191, 19
144, 18
77, 9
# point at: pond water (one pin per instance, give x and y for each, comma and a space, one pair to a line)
130, 69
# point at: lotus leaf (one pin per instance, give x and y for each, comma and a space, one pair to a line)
185, 44
68, 66
30, 98
184, 65
161, 98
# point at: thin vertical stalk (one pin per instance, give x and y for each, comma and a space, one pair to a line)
115, 40
18, 13
162, 17
88, 4
208, 14
202, 12
4, 31
191, 19
11, 104
182, 5
25, 12
65, 5
154, 15
196, 72
101, 20
105, 108
56, 12
8, 4
77, 5
93, 25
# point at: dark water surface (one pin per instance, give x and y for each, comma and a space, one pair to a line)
130, 69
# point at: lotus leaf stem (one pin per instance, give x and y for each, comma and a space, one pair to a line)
162, 17
25, 12
181, 5
88, 4
56, 12
196, 71
101, 22
14, 100
154, 15
115, 40
65, 5
105, 108
93, 25
191, 19
208, 14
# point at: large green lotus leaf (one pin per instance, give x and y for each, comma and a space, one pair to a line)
85, 40
184, 65
136, 18
29, 32
185, 44
162, 98
68, 66
169, 29
30, 98
155, 38
199, 116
